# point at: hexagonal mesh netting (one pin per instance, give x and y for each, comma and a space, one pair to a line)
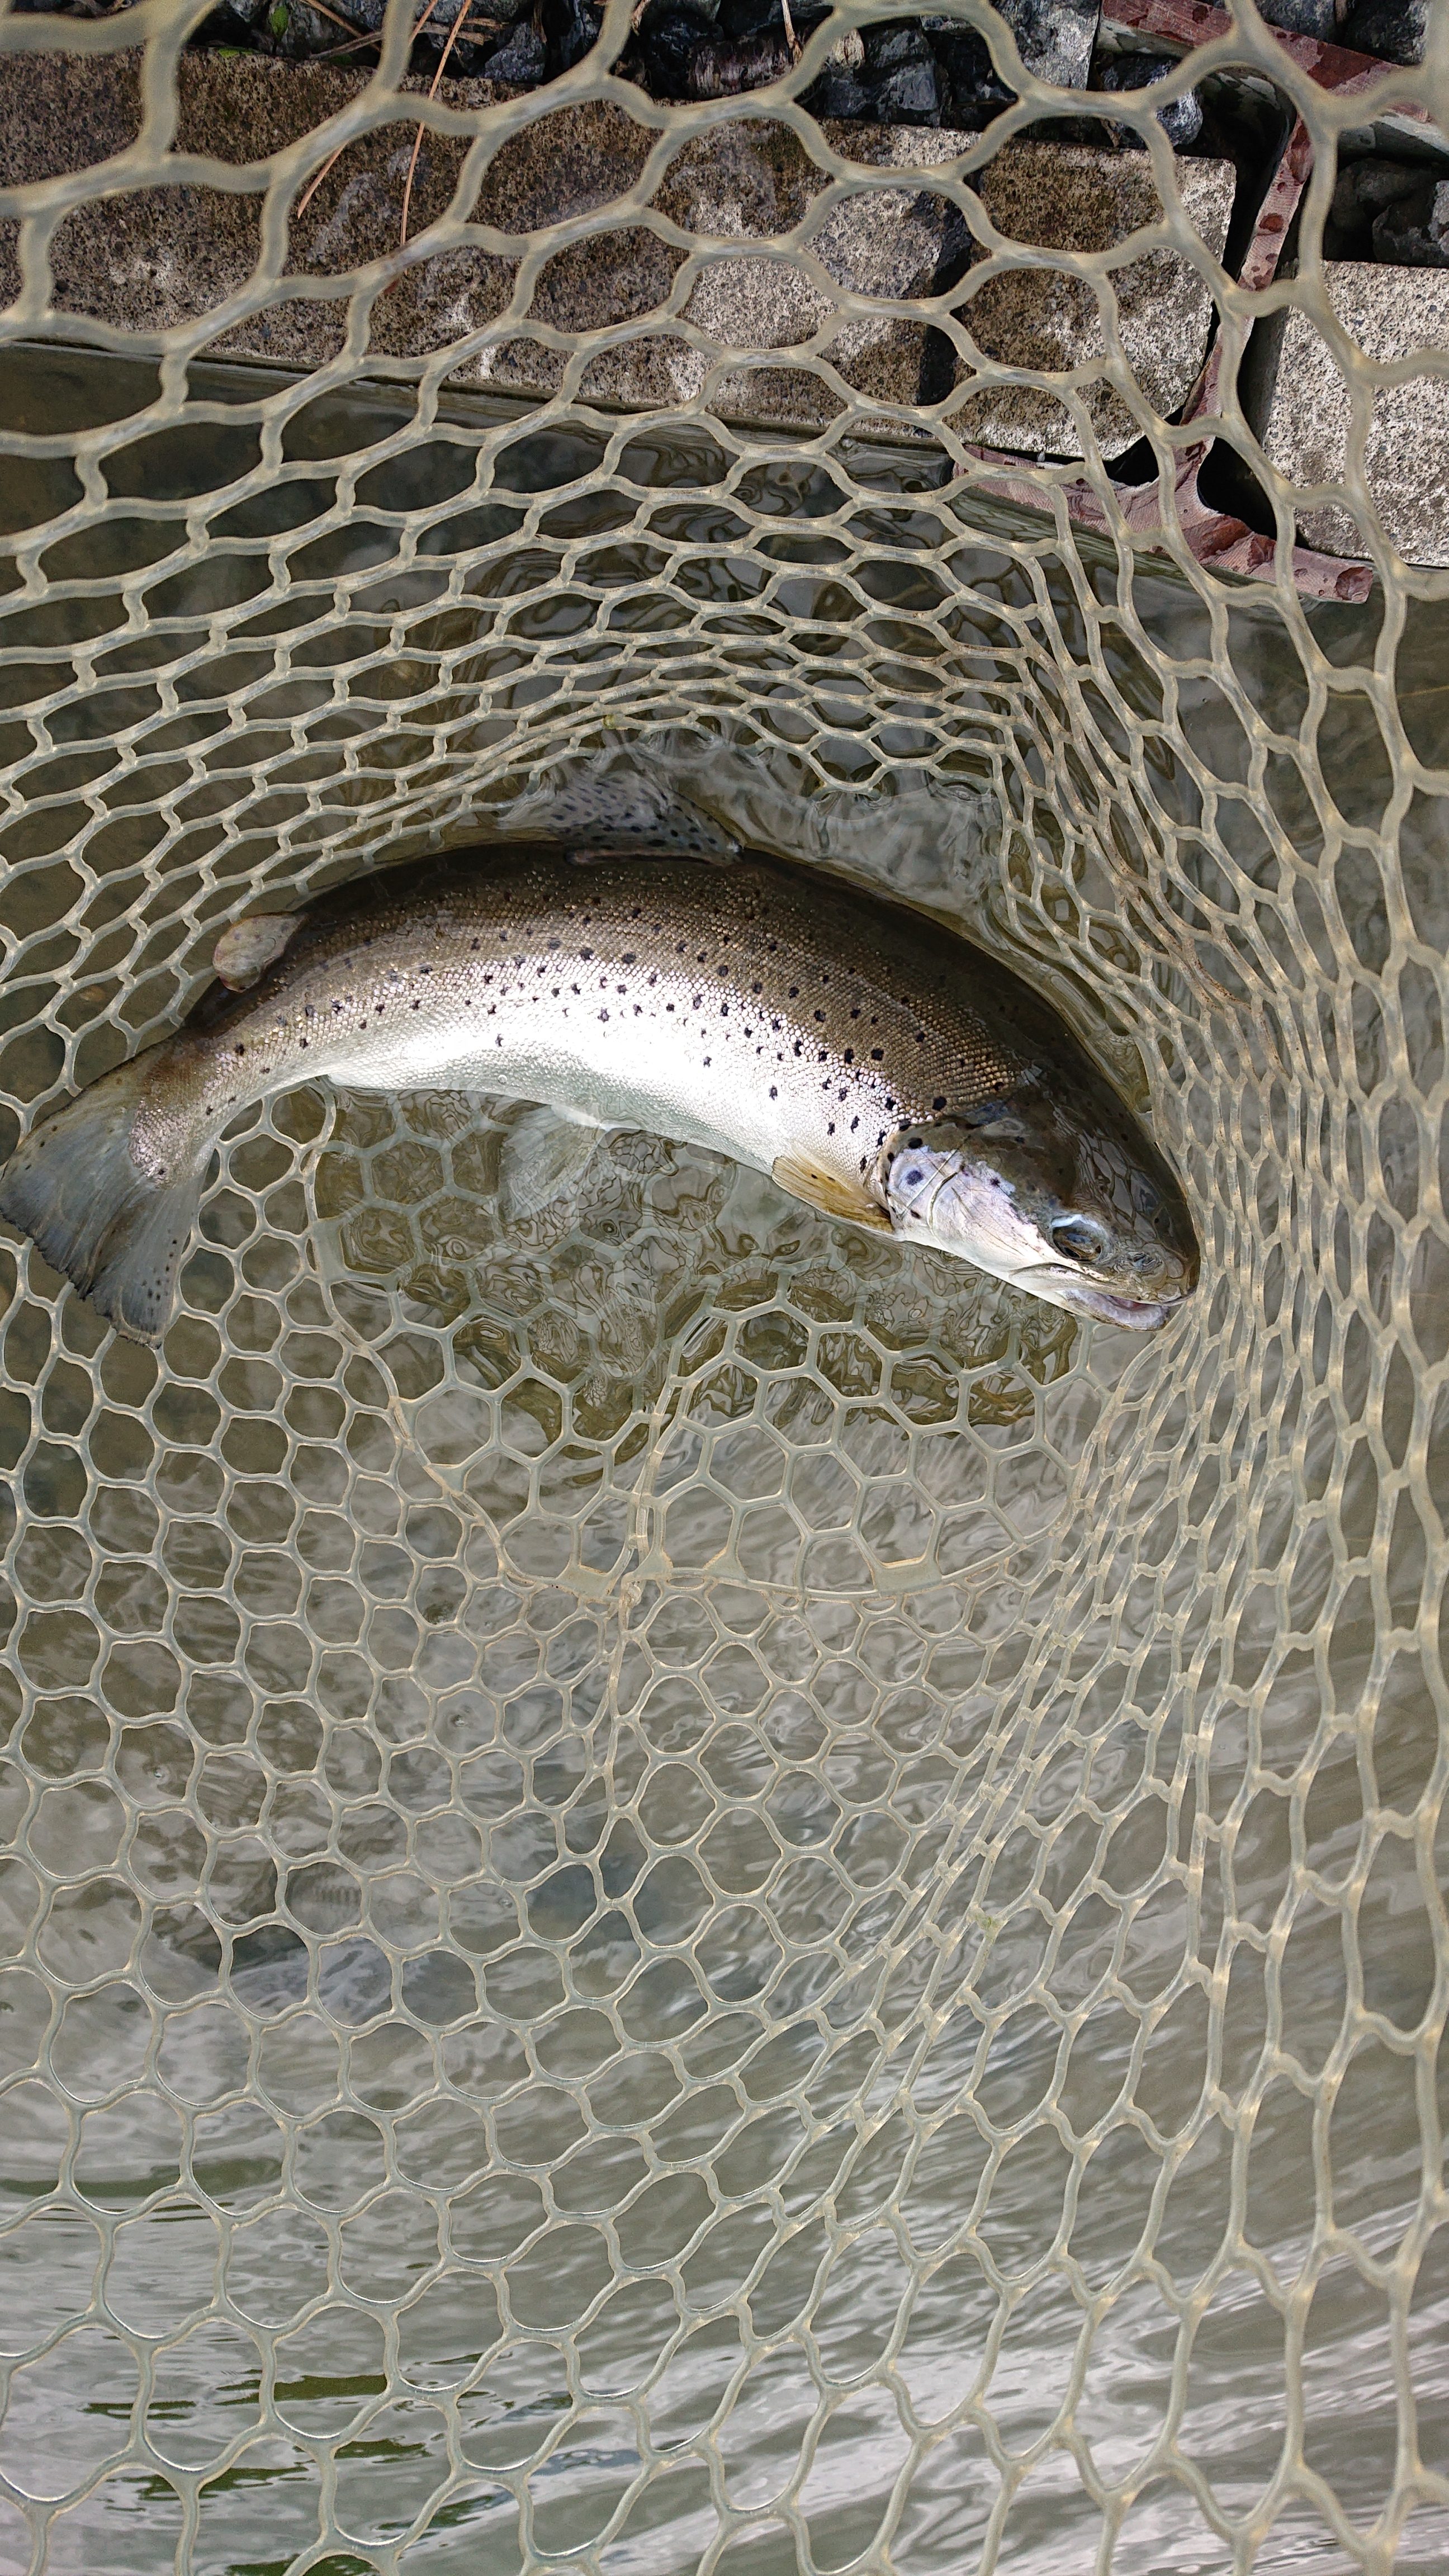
683, 1892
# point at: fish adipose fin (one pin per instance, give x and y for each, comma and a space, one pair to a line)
545, 1154
116, 1231
804, 1179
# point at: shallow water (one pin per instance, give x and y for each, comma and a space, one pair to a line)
685, 1893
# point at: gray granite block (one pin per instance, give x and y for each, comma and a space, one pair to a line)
753, 326
1071, 197
1390, 314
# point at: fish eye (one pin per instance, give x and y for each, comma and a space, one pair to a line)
1079, 1237
913, 1179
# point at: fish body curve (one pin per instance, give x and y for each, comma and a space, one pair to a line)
856, 1050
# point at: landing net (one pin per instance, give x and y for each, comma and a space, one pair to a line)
685, 1896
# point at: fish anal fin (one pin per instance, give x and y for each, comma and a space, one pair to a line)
829, 1191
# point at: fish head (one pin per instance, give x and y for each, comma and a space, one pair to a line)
1074, 1206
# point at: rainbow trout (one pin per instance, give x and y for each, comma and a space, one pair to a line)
879, 1068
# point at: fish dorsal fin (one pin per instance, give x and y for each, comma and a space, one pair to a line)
249, 947
829, 1191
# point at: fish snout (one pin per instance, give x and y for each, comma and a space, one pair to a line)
1107, 1302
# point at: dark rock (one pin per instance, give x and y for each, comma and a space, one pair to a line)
665, 43
908, 97
721, 70
1054, 37
837, 94
521, 59
739, 20
1302, 17
972, 90
1413, 232
888, 48
1180, 119
1362, 192
225, 26
570, 29
899, 76
1393, 29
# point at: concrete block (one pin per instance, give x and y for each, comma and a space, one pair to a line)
1391, 315
150, 259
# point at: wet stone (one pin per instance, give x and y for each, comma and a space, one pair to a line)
1393, 315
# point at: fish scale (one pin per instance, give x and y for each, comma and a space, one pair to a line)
786, 1021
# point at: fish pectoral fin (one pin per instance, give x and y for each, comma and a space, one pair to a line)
544, 1155
808, 1180
249, 947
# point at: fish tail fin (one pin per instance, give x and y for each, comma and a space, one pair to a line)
117, 1231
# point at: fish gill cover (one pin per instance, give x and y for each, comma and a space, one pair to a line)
683, 1891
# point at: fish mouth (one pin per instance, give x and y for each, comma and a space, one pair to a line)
1105, 1305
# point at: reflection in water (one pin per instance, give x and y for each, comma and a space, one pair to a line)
684, 1893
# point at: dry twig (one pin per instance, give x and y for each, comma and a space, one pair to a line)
304, 201
418, 145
